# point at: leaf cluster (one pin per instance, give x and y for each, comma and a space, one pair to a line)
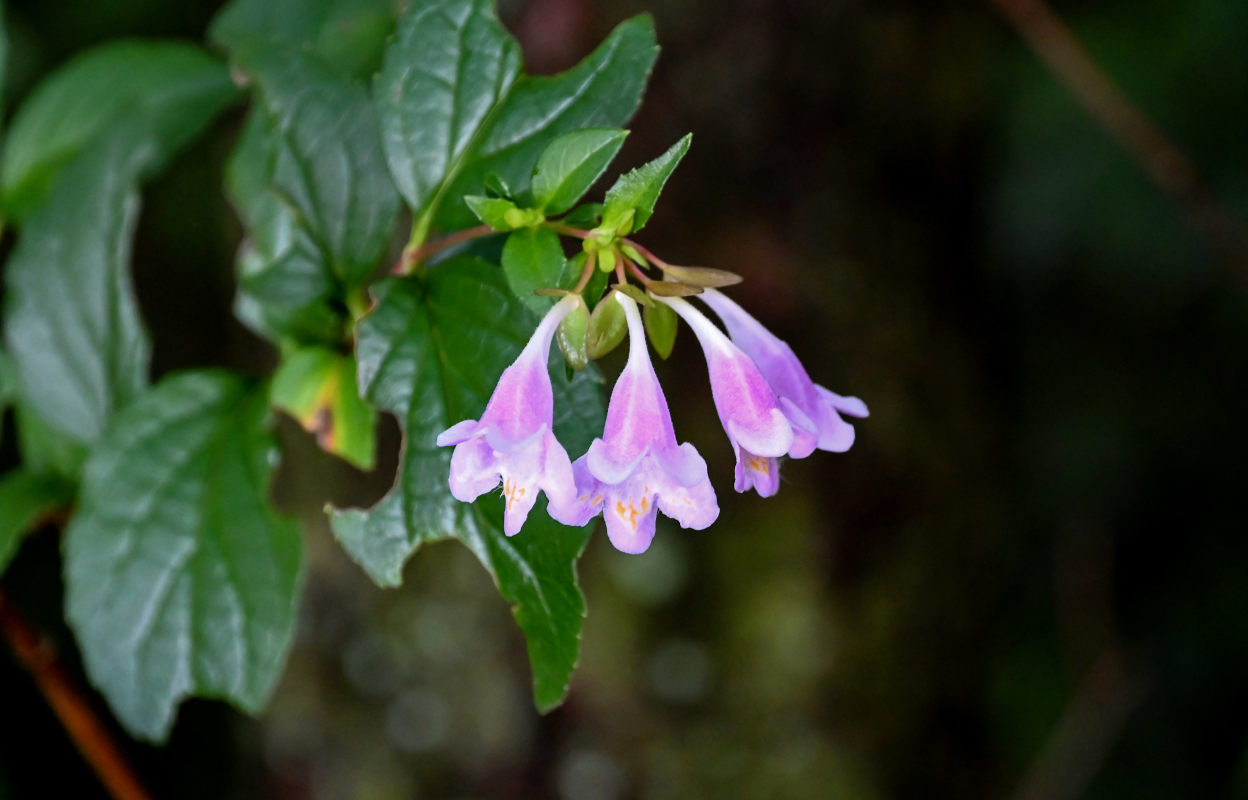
181, 578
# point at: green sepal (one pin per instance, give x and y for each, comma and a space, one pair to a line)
670, 289
702, 277
661, 326
635, 293
571, 336
607, 326
317, 387
639, 189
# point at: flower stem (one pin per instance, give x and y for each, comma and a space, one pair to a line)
591, 263
84, 727
414, 257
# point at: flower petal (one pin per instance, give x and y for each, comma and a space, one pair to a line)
630, 517
760, 473
457, 432
586, 502
850, 406
474, 470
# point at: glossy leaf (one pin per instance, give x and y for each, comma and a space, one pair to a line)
317, 387
285, 285
347, 35
180, 578
24, 499
326, 158
72, 324
533, 259
431, 352
175, 88
661, 326
455, 108
639, 189
570, 164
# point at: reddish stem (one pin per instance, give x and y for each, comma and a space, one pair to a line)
591, 263
413, 258
82, 724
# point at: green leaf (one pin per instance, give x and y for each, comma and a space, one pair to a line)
72, 324
175, 88
639, 189
661, 327
326, 159
4, 50
8, 382
431, 352
497, 212
25, 498
454, 107
570, 164
533, 259
285, 287
180, 578
45, 450
317, 387
347, 35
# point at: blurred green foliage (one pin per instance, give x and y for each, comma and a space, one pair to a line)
1042, 518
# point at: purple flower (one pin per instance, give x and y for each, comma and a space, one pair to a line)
513, 440
636, 469
756, 425
814, 411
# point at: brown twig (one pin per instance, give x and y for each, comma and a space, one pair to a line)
84, 727
1173, 171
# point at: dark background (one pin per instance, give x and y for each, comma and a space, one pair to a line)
1026, 579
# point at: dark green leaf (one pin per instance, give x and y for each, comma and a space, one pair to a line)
176, 89
24, 499
8, 382
454, 107
639, 189
661, 327
570, 164
4, 51
431, 352
348, 35
326, 158
286, 287
180, 578
73, 327
586, 215
533, 259
317, 387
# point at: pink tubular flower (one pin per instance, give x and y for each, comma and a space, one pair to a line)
513, 440
636, 468
814, 411
752, 417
